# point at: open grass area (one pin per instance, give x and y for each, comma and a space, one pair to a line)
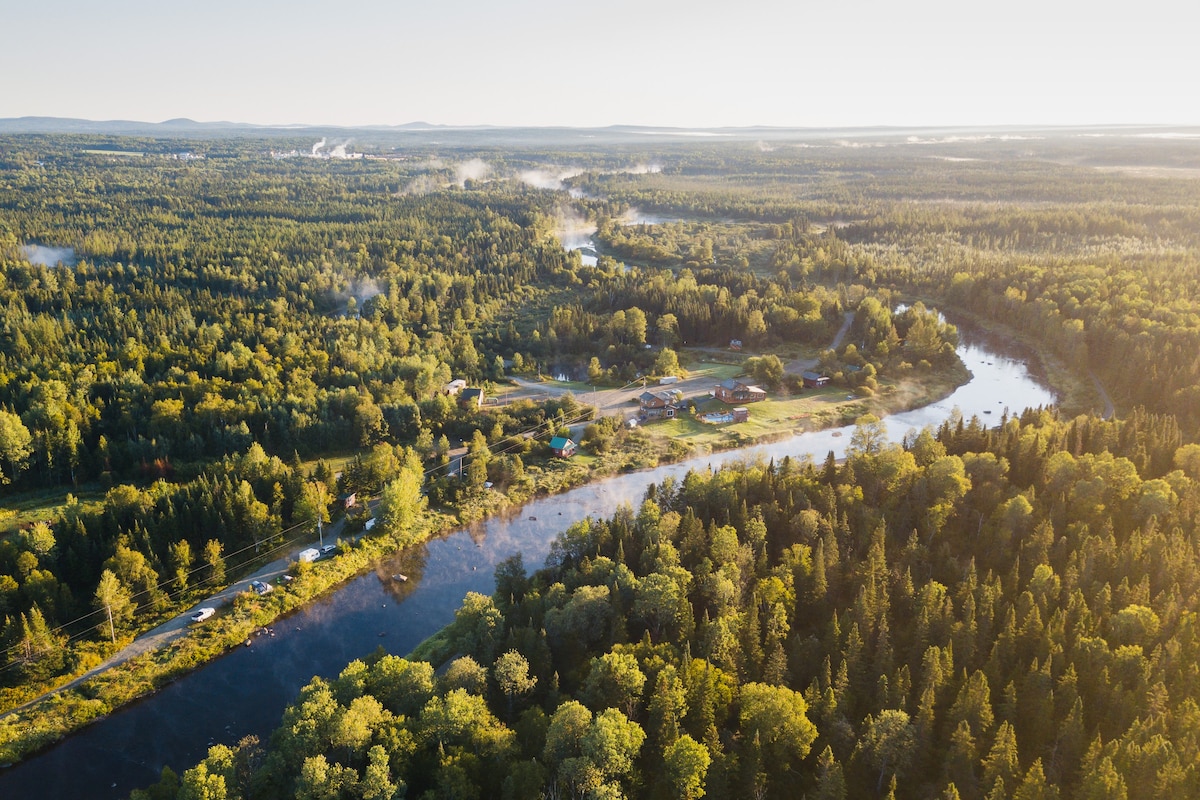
814, 409
45, 504
337, 460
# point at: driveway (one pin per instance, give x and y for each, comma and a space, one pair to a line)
803, 364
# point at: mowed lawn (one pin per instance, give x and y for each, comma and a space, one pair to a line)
811, 410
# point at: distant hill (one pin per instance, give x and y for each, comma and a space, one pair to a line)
474, 136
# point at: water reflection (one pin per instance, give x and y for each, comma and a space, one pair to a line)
246, 691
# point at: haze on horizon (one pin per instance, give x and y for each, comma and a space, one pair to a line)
665, 62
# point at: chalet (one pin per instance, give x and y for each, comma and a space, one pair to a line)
732, 391
563, 447
814, 380
472, 398
657, 405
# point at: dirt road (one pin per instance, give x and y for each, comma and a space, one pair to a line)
802, 364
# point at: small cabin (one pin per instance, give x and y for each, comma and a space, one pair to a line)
563, 447
814, 380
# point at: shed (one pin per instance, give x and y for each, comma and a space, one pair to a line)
563, 447
471, 397
814, 380
741, 414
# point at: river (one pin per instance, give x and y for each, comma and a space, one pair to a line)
246, 691
577, 234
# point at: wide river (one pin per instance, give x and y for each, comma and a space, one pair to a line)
245, 692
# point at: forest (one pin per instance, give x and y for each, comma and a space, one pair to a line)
222, 326
977, 613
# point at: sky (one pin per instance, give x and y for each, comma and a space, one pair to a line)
694, 63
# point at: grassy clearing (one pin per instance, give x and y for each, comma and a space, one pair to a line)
45, 504
815, 409
337, 459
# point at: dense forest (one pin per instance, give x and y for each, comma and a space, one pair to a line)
209, 324
980, 613
1087, 246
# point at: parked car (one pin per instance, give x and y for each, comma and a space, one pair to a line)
261, 588
326, 549
202, 614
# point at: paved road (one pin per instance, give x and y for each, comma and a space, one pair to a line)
611, 402
177, 627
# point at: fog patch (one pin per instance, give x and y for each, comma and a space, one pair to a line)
1006, 137
550, 178
474, 170
574, 232
48, 256
573, 229
361, 290
635, 216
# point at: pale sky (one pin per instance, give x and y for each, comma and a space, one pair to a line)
686, 63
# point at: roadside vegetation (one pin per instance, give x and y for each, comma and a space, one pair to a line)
237, 343
981, 613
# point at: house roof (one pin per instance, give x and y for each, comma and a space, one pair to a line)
809, 375
669, 396
730, 384
559, 442
471, 394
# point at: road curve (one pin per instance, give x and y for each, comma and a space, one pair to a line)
803, 364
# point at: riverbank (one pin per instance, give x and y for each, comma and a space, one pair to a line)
29, 730
812, 411
1077, 394
244, 692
